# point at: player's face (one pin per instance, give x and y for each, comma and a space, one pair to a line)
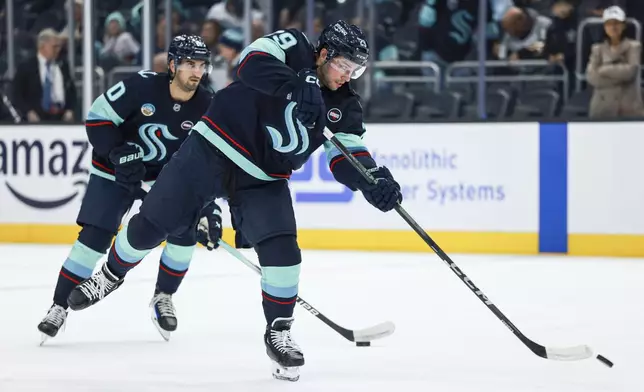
189, 73
337, 72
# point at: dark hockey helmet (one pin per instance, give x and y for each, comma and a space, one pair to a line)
342, 39
189, 47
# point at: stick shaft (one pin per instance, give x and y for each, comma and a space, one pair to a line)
536, 348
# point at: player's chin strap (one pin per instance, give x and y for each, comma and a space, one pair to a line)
558, 353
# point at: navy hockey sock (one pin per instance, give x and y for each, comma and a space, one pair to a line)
67, 280
122, 256
280, 259
85, 253
174, 264
275, 307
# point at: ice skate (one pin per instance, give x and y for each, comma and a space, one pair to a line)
94, 289
285, 354
53, 322
164, 316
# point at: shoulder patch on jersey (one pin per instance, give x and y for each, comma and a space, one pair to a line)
148, 109
187, 125
334, 115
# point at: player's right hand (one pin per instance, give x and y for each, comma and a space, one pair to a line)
307, 94
129, 169
385, 193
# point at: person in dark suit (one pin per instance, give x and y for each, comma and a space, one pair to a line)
42, 87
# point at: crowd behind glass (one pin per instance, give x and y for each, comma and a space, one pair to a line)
536, 68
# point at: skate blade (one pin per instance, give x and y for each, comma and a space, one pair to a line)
43, 338
164, 334
286, 373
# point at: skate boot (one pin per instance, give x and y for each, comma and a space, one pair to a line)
164, 316
94, 289
286, 355
53, 322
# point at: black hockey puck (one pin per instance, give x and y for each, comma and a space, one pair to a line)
605, 361
363, 344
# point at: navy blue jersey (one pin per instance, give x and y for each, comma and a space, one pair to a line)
252, 122
448, 26
141, 111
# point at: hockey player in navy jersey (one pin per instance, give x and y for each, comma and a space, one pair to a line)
134, 128
256, 131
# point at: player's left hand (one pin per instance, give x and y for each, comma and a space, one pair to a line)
385, 194
129, 169
209, 229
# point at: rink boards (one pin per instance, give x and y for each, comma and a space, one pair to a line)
524, 188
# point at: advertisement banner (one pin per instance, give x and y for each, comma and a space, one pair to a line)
43, 173
606, 188
454, 177
464, 179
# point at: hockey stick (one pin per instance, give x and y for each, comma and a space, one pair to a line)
365, 335
575, 353
358, 335
12, 110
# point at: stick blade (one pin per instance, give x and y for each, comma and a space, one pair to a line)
576, 353
378, 331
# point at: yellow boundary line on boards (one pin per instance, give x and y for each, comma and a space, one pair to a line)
606, 245
381, 240
359, 240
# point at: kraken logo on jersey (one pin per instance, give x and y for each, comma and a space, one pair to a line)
150, 135
292, 127
461, 24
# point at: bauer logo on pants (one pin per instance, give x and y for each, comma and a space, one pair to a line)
334, 115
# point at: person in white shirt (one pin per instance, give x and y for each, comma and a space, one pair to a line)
117, 42
230, 14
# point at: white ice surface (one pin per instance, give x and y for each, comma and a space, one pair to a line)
445, 340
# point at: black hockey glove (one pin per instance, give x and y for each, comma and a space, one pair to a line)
307, 94
385, 193
129, 169
209, 229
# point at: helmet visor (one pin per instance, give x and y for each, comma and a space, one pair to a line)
195, 65
347, 67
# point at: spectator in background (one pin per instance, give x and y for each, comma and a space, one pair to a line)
230, 14
447, 27
210, 33
118, 43
231, 44
43, 89
218, 77
562, 34
78, 21
176, 29
298, 21
160, 62
613, 71
529, 39
78, 28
